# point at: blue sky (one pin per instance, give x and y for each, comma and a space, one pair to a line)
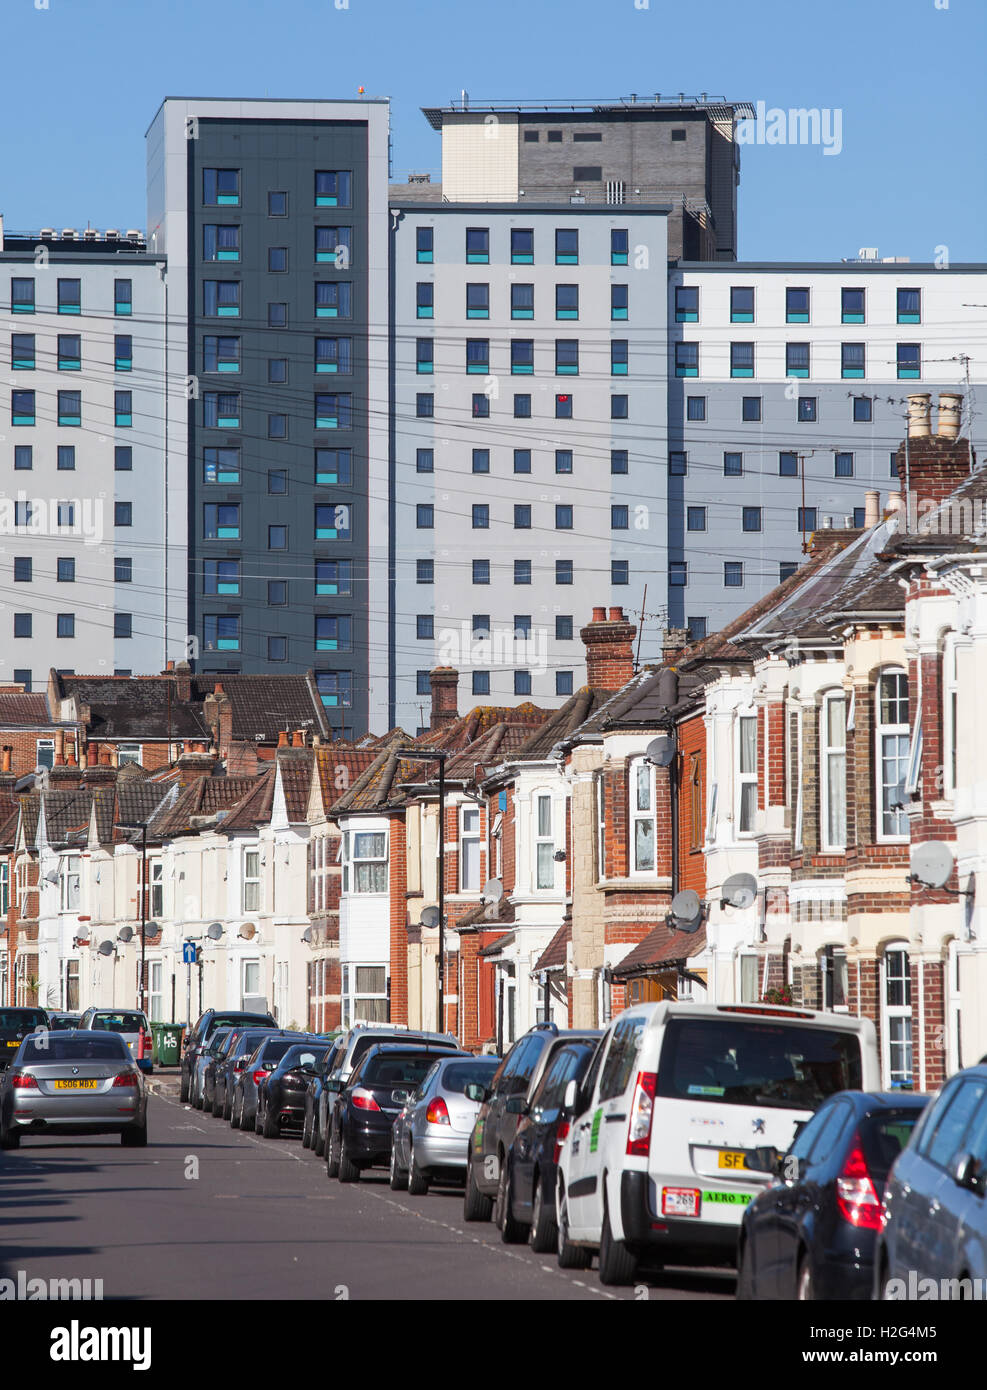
83, 78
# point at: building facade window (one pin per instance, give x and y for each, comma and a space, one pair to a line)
892, 743
896, 1017
832, 755
544, 842
642, 816
746, 769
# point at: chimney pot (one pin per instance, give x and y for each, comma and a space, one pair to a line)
616, 615
872, 508
92, 755
283, 738
5, 765
599, 615
298, 739
919, 409
950, 405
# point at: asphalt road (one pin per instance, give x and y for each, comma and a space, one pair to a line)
207, 1212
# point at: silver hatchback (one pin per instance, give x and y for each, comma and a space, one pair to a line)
73, 1083
431, 1135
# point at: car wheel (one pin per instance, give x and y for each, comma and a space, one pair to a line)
196, 1100
476, 1205
745, 1276
9, 1138
318, 1138
270, 1128
332, 1157
348, 1171
570, 1256
417, 1182
543, 1233
217, 1109
183, 1094
227, 1105
399, 1175
255, 1121
618, 1265
135, 1138
307, 1131
804, 1291
512, 1232
236, 1115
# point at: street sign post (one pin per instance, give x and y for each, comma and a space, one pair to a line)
188, 960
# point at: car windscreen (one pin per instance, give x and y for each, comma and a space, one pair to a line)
404, 1069
246, 1044
118, 1023
883, 1135
736, 1062
458, 1075
14, 1019
219, 1041
53, 1048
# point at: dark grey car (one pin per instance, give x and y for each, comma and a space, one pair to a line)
229, 1067
935, 1223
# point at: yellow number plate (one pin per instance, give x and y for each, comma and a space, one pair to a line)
13, 1044
75, 1085
731, 1159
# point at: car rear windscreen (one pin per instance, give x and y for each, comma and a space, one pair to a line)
368, 1040
118, 1023
52, 1048
403, 1071
458, 1075
883, 1137
274, 1050
734, 1062
22, 1018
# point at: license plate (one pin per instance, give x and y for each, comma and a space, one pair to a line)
76, 1085
730, 1158
13, 1044
679, 1201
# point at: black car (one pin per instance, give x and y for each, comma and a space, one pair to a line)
525, 1207
261, 1062
313, 1135
61, 1023
281, 1094
15, 1024
229, 1067
205, 1026
812, 1233
366, 1106
212, 1058
495, 1125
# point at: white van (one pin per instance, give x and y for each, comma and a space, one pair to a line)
677, 1098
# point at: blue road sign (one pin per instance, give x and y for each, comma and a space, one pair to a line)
188, 952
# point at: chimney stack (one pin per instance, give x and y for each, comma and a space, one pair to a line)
872, 509
183, 681
676, 639
609, 643
444, 681
931, 466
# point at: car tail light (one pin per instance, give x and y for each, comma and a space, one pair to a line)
561, 1135
642, 1112
241, 1065
363, 1100
25, 1082
856, 1195
437, 1112
259, 1075
125, 1078
680, 1201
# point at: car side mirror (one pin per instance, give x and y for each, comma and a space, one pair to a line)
399, 1097
516, 1105
571, 1093
334, 1084
968, 1173
476, 1091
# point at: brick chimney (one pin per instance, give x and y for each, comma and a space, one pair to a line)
7, 775
931, 466
609, 643
444, 681
217, 711
97, 771
195, 761
676, 639
183, 681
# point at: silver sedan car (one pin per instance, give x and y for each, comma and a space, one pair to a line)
73, 1083
431, 1135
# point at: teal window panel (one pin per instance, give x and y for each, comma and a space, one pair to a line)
522, 369
224, 588
851, 373
228, 644
323, 588
522, 313
618, 258
325, 312
126, 364
227, 533
521, 258
796, 318
326, 644
425, 311
853, 318
327, 367
424, 257
618, 313
618, 369
744, 318
567, 369
125, 421
477, 313
228, 311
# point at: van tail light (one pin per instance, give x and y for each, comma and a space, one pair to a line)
125, 1078
856, 1195
642, 1113
363, 1100
561, 1135
437, 1112
25, 1082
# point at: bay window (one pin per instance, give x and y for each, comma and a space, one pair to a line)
544, 842
892, 742
746, 755
469, 849
832, 754
364, 858
643, 833
251, 882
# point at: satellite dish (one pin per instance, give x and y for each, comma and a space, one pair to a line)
740, 890
51, 877
661, 750
932, 863
307, 935
686, 912
106, 948
430, 917
247, 931
152, 930
125, 934
215, 931
493, 891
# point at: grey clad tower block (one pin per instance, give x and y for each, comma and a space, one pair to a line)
273, 216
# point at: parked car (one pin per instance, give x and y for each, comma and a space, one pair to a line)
431, 1134
61, 1023
366, 1106
206, 1060
654, 1166
72, 1083
131, 1024
493, 1132
525, 1206
281, 1094
313, 1136
231, 1065
935, 1202
264, 1058
811, 1234
205, 1025
15, 1025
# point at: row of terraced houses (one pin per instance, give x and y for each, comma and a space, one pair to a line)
811, 744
